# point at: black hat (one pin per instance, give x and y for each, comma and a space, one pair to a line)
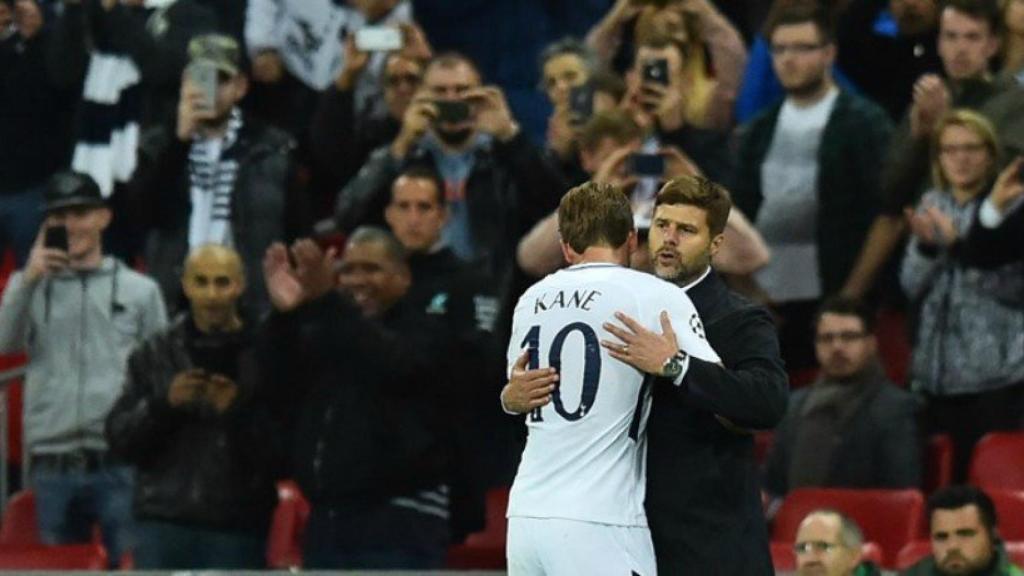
68, 189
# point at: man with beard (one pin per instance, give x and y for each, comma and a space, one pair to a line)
808, 175
217, 177
853, 428
497, 184
965, 538
703, 503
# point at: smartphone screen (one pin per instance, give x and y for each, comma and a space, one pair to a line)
378, 39
656, 71
204, 75
451, 111
649, 165
581, 104
57, 238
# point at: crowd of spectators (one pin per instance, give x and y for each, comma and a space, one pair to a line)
164, 164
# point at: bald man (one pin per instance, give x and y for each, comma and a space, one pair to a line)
193, 421
828, 543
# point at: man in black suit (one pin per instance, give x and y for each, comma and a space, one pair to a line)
703, 503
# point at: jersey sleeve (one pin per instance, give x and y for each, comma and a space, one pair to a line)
687, 325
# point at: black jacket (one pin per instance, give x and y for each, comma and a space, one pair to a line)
850, 159
994, 247
266, 205
703, 494
340, 141
193, 466
35, 114
881, 447
364, 400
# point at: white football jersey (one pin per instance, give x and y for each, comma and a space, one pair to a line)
585, 453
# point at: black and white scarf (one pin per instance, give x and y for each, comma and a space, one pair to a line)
213, 170
108, 122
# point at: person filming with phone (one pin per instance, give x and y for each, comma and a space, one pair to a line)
194, 421
497, 184
77, 314
216, 177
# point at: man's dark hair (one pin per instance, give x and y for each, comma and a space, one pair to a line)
954, 497
425, 171
451, 59
700, 192
594, 214
845, 306
393, 249
608, 82
987, 10
794, 12
573, 46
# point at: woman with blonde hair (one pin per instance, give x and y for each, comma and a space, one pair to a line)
968, 358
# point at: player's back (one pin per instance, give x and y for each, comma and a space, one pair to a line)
585, 452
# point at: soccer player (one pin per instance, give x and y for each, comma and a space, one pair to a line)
577, 501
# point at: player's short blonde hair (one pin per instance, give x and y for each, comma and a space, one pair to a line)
594, 214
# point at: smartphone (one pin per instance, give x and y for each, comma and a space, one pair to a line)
57, 238
215, 360
655, 71
581, 104
204, 75
451, 111
648, 165
379, 39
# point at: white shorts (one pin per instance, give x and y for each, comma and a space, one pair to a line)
557, 547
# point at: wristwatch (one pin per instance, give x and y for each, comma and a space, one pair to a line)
673, 367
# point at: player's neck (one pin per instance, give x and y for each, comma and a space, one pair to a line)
601, 254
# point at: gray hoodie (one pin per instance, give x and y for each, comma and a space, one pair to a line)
77, 329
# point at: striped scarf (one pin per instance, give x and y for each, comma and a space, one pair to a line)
212, 174
108, 130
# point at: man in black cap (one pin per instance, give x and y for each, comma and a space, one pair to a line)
77, 314
216, 177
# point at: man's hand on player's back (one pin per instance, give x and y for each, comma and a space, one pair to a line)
528, 389
641, 348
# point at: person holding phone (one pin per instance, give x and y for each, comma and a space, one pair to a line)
77, 314
497, 183
217, 176
194, 421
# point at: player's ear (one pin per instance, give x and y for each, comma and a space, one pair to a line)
632, 241
570, 255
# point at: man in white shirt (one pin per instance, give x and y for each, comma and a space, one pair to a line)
576, 505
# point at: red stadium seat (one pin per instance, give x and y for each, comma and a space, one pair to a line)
996, 462
19, 528
1015, 550
889, 517
938, 471
912, 553
1010, 513
72, 557
784, 558
484, 550
284, 544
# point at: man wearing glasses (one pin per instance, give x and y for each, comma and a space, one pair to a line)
808, 175
852, 428
828, 544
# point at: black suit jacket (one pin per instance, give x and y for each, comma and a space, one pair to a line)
703, 495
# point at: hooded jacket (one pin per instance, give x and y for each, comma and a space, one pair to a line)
78, 328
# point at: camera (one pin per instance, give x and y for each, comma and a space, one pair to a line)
56, 237
581, 104
647, 165
204, 75
379, 39
451, 111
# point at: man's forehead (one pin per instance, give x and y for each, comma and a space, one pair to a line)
213, 261
681, 214
458, 73
956, 518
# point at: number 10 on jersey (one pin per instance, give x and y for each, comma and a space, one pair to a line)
591, 367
